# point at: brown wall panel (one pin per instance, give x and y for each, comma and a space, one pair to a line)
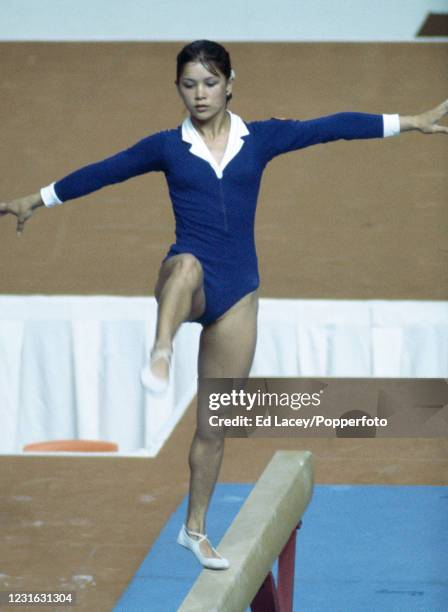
363, 219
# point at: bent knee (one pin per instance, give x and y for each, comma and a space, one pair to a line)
189, 268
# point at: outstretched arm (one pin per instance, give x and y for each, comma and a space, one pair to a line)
145, 156
278, 136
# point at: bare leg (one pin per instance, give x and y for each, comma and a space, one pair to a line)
226, 351
180, 296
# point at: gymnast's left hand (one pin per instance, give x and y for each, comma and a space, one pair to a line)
427, 122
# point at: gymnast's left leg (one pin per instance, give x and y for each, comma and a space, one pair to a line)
226, 350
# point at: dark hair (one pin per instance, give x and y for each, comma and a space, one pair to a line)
212, 56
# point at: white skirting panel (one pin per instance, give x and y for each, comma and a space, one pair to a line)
69, 365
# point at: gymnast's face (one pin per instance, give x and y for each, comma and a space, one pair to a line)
203, 92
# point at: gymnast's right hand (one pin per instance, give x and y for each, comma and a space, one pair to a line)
22, 208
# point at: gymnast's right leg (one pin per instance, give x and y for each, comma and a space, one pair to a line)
180, 297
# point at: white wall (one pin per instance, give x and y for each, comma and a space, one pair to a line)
231, 20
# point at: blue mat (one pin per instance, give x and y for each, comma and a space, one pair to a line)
361, 549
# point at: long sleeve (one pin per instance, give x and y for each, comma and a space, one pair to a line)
278, 136
147, 155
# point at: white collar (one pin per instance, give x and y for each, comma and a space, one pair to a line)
198, 147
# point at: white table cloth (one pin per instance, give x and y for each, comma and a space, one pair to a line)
69, 365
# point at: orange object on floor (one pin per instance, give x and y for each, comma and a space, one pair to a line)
81, 446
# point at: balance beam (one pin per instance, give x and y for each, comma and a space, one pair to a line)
257, 536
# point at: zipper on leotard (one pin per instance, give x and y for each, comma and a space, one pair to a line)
223, 206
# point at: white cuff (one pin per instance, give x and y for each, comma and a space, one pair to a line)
391, 125
49, 197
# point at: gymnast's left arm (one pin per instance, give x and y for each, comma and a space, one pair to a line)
278, 136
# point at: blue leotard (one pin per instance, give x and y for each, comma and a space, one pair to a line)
215, 215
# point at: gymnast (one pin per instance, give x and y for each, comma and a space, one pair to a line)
213, 163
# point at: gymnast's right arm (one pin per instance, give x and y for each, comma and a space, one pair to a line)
147, 155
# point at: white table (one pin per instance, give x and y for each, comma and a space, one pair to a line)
69, 365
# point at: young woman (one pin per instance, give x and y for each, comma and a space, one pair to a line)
213, 164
